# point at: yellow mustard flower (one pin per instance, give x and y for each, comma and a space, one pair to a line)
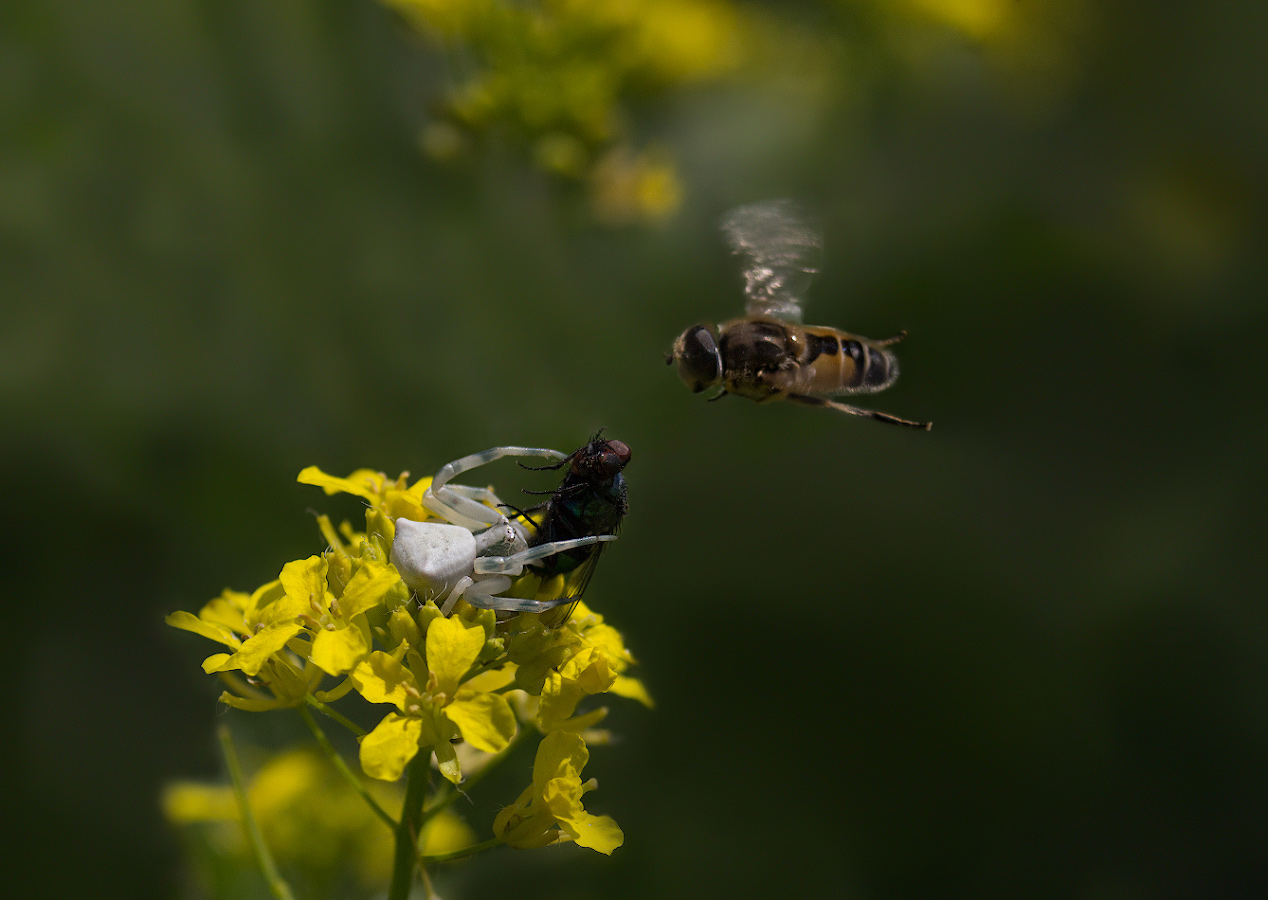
291, 631
564, 665
550, 811
433, 702
464, 683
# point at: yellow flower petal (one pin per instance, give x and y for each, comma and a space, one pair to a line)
366, 589
338, 651
387, 749
485, 720
256, 649
451, 649
364, 483
599, 833
492, 680
380, 678
632, 689
304, 581
559, 752
217, 632
261, 599
524, 825
558, 700
229, 609
214, 662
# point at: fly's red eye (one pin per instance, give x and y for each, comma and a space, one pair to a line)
621, 451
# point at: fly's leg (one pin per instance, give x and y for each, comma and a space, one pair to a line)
457, 504
514, 564
858, 411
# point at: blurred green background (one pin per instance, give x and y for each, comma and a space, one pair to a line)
1024, 655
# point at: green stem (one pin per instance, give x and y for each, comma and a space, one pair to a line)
471, 781
336, 715
464, 852
277, 885
407, 830
337, 760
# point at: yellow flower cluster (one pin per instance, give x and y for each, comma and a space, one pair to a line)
558, 76
471, 678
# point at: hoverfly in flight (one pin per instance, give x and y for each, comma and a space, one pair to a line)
768, 354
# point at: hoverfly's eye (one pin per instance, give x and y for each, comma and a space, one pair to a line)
699, 362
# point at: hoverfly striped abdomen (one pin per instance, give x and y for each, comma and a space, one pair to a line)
836, 362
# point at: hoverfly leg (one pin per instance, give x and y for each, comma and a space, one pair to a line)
719, 395
858, 411
891, 340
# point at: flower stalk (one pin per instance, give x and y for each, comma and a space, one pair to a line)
277, 885
410, 827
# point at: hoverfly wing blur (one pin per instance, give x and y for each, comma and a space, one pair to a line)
767, 354
781, 251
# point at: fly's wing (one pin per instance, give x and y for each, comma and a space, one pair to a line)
781, 251
562, 590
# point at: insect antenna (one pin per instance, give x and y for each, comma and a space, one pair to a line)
520, 514
548, 466
562, 489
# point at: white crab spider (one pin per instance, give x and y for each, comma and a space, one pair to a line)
477, 552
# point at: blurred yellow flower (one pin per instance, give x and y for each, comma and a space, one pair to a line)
311, 818
559, 77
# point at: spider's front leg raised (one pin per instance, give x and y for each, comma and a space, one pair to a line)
462, 505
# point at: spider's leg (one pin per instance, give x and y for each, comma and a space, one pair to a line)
513, 604
452, 505
465, 585
478, 494
514, 564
